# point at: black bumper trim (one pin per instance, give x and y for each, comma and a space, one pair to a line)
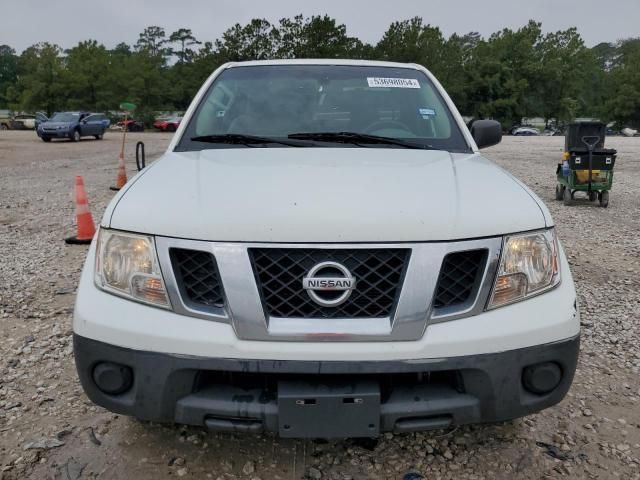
163, 387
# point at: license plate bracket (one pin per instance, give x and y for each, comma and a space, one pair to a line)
328, 409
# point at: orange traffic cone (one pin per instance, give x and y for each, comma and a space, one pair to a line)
86, 228
122, 174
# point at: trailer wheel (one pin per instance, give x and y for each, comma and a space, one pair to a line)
604, 199
592, 196
567, 197
559, 191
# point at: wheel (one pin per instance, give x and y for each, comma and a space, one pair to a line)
567, 197
592, 196
171, 128
75, 136
559, 191
604, 199
4, 126
99, 137
46, 139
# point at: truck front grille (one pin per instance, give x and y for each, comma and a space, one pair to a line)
460, 276
197, 278
378, 272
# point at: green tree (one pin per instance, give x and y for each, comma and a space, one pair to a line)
315, 37
459, 50
146, 81
40, 83
87, 79
185, 39
412, 41
255, 41
566, 65
8, 72
501, 73
623, 100
153, 40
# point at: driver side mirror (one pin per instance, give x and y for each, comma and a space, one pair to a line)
486, 133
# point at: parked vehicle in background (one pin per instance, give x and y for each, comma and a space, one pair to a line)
526, 132
629, 132
167, 124
131, 125
5, 117
74, 126
515, 127
22, 121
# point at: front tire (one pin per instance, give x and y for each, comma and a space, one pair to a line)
75, 136
559, 191
604, 199
171, 128
567, 197
46, 139
99, 137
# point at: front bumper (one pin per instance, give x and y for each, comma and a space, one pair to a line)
53, 133
248, 395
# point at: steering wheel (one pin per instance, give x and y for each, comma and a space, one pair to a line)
382, 124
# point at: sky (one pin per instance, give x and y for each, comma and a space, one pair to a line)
66, 22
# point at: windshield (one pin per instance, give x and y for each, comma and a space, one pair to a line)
276, 101
65, 117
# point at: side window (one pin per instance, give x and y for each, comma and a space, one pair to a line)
89, 118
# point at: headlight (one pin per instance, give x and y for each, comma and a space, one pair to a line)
529, 265
127, 265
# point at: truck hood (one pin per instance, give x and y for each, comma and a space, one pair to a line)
324, 195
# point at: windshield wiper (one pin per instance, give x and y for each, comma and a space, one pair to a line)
356, 138
241, 138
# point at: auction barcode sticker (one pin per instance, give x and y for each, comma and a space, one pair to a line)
380, 82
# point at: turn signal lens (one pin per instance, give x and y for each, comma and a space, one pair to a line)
149, 289
528, 266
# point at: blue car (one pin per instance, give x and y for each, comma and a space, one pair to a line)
73, 125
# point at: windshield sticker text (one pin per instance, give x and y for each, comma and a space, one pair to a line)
427, 113
379, 82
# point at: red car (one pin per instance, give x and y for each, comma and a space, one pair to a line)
132, 125
167, 124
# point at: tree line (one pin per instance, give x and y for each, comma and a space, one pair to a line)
509, 75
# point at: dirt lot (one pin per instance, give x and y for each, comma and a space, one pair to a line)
593, 433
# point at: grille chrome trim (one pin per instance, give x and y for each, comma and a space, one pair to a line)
413, 312
378, 273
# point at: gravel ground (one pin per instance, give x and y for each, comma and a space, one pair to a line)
49, 429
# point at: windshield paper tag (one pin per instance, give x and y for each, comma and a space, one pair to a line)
427, 112
379, 82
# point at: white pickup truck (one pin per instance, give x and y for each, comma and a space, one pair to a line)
323, 252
